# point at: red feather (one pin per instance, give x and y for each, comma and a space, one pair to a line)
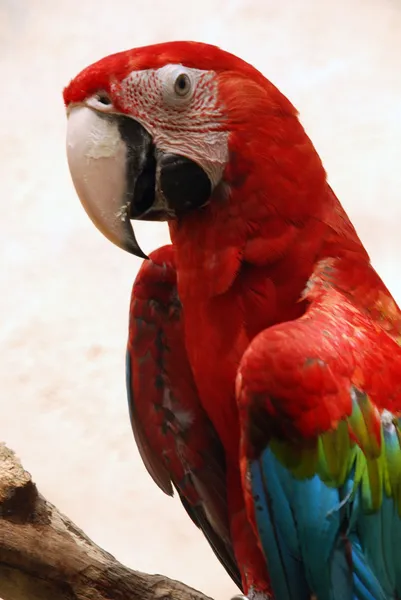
302, 371
175, 438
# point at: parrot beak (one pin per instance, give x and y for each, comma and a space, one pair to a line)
119, 175
107, 155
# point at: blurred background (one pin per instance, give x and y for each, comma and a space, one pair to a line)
65, 290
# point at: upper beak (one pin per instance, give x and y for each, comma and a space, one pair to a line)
106, 156
120, 175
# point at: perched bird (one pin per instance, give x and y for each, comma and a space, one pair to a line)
285, 337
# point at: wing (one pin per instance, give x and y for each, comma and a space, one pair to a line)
177, 442
320, 407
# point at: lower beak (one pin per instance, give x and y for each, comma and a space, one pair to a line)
120, 175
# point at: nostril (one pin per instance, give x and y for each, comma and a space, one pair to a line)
103, 98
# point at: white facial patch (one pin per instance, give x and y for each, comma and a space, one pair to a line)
190, 125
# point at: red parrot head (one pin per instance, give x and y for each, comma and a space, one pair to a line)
159, 131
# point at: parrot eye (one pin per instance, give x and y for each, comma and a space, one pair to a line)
182, 85
177, 85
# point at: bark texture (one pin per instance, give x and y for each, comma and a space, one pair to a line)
44, 556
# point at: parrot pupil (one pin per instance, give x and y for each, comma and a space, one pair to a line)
182, 84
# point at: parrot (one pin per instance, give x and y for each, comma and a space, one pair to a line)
291, 337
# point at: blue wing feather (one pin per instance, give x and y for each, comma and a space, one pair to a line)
277, 532
318, 539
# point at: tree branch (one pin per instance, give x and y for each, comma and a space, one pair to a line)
44, 556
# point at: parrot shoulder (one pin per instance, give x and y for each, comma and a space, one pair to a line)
330, 377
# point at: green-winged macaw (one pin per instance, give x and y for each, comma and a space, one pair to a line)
287, 337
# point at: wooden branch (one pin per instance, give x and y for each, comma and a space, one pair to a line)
44, 556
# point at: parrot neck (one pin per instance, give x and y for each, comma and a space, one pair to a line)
240, 272
218, 247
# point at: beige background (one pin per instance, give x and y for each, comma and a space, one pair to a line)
65, 290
